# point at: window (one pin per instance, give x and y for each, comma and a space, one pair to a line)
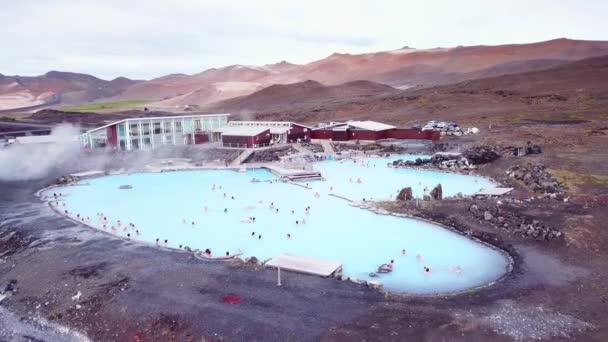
121, 130
145, 127
157, 128
133, 129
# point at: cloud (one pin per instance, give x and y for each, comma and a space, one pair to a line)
145, 39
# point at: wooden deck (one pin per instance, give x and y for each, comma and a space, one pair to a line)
305, 264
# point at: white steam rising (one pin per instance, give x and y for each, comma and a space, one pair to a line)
34, 161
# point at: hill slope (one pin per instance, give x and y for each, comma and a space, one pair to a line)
400, 68
56, 86
307, 93
566, 92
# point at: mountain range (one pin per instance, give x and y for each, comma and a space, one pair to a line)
334, 78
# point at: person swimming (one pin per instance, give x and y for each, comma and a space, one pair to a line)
231, 197
157, 242
386, 268
288, 236
208, 252
129, 236
166, 242
225, 210
426, 269
297, 222
260, 237
252, 233
227, 253
194, 224
136, 232
403, 252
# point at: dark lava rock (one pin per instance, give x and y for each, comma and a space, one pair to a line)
437, 193
517, 223
65, 180
537, 178
405, 194
533, 149
253, 260
481, 155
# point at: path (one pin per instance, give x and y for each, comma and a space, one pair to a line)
241, 157
327, 148
302, 149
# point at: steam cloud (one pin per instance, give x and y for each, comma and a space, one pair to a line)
34, 161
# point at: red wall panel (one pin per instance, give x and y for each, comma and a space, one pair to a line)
112, 135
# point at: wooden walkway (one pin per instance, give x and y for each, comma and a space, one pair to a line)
305, 264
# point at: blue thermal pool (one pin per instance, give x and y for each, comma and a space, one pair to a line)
159, 203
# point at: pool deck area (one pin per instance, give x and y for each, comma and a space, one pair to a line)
305, 264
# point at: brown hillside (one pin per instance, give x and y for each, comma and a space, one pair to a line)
570, 91
308, 93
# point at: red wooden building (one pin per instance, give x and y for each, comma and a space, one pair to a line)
370, 130
281, 132
245, 136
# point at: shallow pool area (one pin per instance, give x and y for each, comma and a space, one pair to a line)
165, 206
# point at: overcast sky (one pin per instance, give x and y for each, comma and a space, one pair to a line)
149, 38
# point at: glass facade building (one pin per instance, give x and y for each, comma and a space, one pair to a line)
151, 132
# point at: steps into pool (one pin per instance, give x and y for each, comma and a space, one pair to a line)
314, 175
294, 174
305, 264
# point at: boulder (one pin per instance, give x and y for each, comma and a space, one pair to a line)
405, 194
533, 149
437, 193
481, 155
487, 216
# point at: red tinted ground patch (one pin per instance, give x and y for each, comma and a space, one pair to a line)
231, 298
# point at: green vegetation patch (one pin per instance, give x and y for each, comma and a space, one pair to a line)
574, 179
103, 105
15, 115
